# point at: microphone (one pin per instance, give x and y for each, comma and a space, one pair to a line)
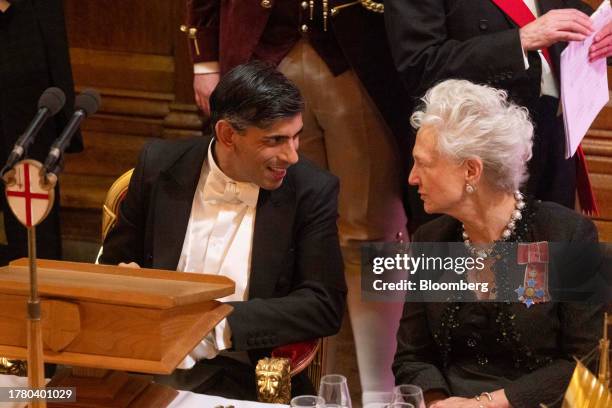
50, 102
85, 104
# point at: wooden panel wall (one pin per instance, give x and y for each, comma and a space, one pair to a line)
133, 52
598, 148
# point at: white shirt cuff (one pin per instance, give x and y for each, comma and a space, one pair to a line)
525, 60
218, 340
223, 335
209, 67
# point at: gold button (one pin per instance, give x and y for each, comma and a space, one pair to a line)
266, 3
304, 28
304, 5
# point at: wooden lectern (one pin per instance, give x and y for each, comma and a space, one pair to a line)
101, 318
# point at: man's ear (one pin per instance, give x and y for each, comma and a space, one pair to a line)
473, 170
225, 133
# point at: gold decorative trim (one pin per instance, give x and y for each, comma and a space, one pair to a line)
316, 367
370, 5
113, 198
192, 34
373, 6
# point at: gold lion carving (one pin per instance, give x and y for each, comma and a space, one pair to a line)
273, 380
13, 367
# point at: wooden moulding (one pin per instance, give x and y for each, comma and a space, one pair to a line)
115, 389
108, 317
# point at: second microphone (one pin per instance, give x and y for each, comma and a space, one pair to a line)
85, 105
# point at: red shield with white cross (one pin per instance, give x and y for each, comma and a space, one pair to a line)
29, 198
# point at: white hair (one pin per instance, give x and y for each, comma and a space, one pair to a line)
477, 121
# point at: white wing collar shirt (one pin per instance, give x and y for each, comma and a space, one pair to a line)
219, 241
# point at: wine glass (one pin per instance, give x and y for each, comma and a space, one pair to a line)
378, 400
307, 401
334, 390
412, 394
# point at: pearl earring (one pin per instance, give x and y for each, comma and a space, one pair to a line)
469, 188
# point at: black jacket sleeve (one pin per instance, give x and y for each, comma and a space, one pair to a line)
315, 305
426, 51
416, 355
416, 360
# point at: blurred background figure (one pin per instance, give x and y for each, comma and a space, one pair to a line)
33, 57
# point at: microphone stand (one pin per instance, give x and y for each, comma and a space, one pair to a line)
36, 377
44, 180
36, 362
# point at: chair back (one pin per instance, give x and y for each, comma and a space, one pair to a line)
116, 194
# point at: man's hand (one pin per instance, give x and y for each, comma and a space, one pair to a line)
602, 44
555, 26
203, 85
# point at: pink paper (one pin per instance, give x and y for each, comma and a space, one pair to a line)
584, 84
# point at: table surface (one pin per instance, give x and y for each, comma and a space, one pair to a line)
183, 400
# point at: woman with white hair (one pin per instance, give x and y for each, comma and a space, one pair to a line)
470, 159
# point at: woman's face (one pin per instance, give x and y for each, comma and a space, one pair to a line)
440, 180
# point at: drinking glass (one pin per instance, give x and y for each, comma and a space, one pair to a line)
400, 405
409, 393
334, 390
307, 401
378, 400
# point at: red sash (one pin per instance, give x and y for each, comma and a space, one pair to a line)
518, 12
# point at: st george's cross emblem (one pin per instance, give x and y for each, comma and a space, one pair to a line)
29, 197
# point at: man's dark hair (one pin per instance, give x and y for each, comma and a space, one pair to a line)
254, 94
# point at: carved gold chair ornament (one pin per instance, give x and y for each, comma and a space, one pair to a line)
273, 380
13, 367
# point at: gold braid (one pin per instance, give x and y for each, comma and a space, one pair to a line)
373, 6
370, 5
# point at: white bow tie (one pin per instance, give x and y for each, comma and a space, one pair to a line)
221, 188
218, 189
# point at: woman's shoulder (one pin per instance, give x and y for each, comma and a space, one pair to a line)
554, 222
442, 229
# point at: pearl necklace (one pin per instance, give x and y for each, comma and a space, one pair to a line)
506, 233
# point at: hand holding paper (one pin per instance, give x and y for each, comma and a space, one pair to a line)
584, 80
602, 44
